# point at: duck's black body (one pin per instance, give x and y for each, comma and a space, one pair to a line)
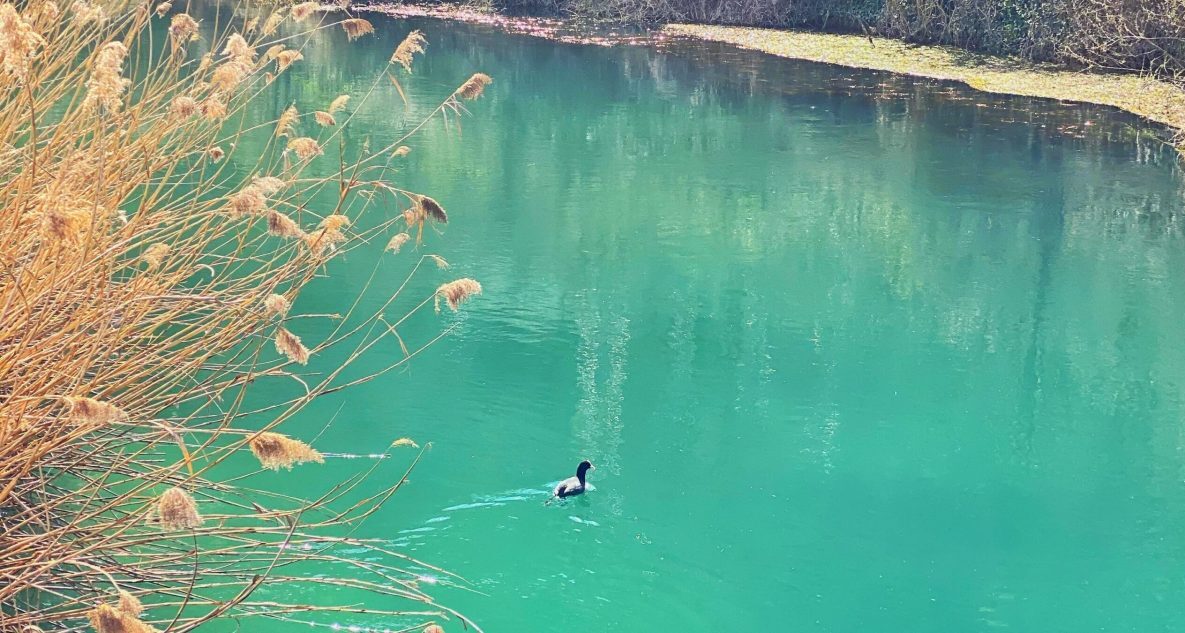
574, 485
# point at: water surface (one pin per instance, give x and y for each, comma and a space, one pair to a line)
851, 352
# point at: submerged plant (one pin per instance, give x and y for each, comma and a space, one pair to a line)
153, 267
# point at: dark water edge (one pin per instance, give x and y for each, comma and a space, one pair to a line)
1052, 117
1076, 33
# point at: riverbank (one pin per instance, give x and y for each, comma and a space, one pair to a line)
1152, 99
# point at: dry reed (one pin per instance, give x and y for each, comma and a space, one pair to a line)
276, 451
305, 148
291, 346
302, 11
177, 510
474, 87
277, 304
151, 269
281, 225
338, 104
458, 292
356, 28
397, 241
411, 46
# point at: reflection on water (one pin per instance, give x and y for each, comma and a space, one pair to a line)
850, 351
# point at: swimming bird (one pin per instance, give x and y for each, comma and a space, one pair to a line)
574, 485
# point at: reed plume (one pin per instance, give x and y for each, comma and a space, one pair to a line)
155, 255
323, 240
281, 225
229, 75
356, 28
290, 345
108, 619
213, 108
177, 510
457, 292
19, 43
335, 222
91, 411
433, 209
130, 604
182, 29
87, 12
184, 106
275, 451
397, 241
272, 23
277, 304
284, 59
268, 185
305, 148
301, 12
422, 210
474, 87
411, 46
284, 125
107, 84
248, 201
238, 49
324, 119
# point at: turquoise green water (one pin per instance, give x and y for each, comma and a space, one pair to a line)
851, 352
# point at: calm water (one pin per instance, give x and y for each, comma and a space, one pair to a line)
851, 352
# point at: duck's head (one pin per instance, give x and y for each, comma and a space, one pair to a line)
583, 469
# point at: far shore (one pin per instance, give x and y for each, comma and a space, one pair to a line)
1150, 98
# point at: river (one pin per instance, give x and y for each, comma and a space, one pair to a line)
851, 352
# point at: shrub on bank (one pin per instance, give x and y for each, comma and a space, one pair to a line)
1145, 35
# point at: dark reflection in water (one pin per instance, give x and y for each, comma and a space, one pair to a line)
853, 352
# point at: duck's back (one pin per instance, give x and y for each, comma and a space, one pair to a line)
568, 487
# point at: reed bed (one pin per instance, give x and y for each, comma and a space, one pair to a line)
147, 288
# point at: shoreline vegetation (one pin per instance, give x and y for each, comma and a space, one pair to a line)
166, 197
1155, 100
